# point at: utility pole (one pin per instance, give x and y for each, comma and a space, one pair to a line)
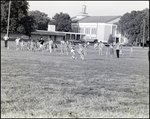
8, 18
143, 31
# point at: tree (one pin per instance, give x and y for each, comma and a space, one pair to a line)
28, 25
41, 19
19, 9
131, 25
62, 22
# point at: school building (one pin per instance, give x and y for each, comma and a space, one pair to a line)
96, 27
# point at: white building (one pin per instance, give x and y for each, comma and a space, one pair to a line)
96, 27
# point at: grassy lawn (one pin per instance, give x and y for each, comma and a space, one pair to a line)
54, 85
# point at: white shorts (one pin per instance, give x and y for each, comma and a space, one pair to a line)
41, 45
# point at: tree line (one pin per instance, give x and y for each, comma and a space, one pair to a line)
131, 25
24, 21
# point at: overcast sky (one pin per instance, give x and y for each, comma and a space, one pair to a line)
94, 8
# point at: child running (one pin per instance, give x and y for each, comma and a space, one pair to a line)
73, 53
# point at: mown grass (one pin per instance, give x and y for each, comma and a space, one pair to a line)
54, 85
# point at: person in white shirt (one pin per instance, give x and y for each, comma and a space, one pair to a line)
50, 45
17, 43
6, 40
101, 45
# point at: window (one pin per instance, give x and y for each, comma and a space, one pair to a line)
93, 37
87, 30
81, 29
94, 30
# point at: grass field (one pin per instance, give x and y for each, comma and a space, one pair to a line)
54, 85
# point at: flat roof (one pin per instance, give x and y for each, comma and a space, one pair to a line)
58, 33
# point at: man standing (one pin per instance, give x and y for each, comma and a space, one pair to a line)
117, 49
5, 40
50, 44
17, 43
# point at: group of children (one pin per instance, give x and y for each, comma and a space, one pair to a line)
66, 47
50, 45
109, 48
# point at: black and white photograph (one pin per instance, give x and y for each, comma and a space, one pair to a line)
74, 59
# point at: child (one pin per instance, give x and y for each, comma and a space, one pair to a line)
95, 45
50, 45
131, 50
121, 50
111, 50
81, 51
62, 45
22, 45
73, 53
101, 48
17, 43
66, 47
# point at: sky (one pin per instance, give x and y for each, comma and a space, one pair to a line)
94, 8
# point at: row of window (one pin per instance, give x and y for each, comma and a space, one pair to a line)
88, 30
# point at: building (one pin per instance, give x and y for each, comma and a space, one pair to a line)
56, 35
96, 27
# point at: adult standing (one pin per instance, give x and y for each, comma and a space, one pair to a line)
117, 49
17, 43
50, 44
5, 40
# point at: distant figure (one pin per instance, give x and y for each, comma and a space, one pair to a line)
111, 50
107, 50
117, 49
95, 45
121, 50
101, 45
73, 53
50, 44
62, 46
41, 43
131, 50
81, 51
66, 47
17, 43
5, 40
22, 45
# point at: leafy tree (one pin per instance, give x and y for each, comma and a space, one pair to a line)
18, 10
62, 22
28, 25
41, 19
131, 25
